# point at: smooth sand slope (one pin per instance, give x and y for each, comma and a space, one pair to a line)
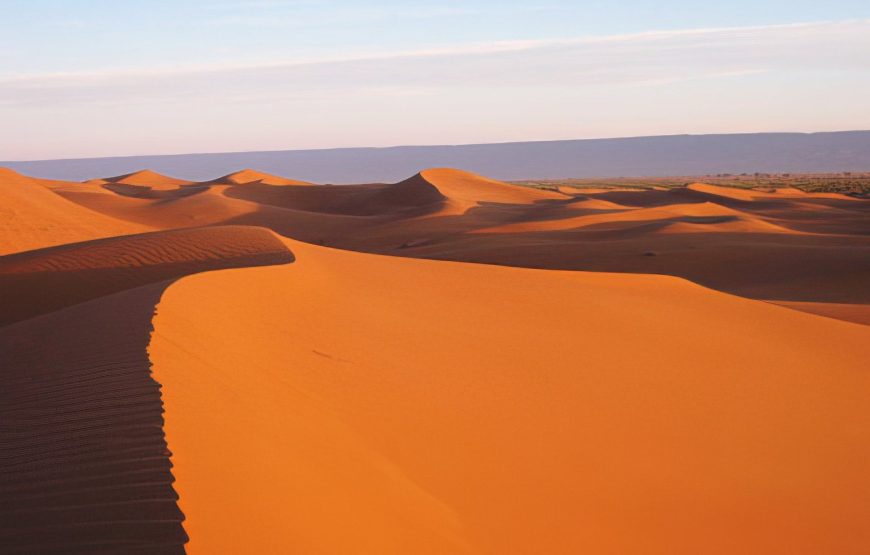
32, 217
372, 404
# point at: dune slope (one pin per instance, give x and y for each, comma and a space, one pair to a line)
383, 405
84, 465
33, 217
39, 281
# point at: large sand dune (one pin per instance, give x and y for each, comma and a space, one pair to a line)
32, 217
40, 281
378, 402
406, 406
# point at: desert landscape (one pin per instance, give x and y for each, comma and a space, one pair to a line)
446, 364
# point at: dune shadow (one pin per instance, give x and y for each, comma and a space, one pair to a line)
84, 464
149, 193
40, 281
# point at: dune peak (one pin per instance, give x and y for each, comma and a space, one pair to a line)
146, 177
248, 175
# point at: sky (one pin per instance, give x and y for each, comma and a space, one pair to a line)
82, 78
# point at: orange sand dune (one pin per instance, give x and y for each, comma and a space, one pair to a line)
791, 247
32, 217
216, 206
686, 218
85, 467
726, 192
371, 404
148, 178
40, 281
357, 403
367, 200
441, 191
246, 176
465, 190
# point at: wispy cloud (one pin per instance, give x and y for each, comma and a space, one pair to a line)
342, 15
649, 57
313, 13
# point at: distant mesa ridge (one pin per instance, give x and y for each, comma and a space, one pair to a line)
637, 156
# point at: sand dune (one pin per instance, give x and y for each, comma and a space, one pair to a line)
40, 281
247, 176
32, 217
440, 191
352, 402
601, 414
686, 218
785, 246
147, 178
859, 313
84, 466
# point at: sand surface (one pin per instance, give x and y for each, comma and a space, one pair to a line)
591, 413
448, 364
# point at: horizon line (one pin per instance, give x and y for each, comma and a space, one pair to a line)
438, 145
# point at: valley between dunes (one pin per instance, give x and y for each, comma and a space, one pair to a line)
445, 365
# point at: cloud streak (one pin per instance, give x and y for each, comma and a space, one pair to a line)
641, 58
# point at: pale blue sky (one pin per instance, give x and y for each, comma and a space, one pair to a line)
93, 78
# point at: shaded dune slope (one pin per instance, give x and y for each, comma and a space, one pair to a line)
84, 465
380, 405
414, 193
215, 205
37, 282
149, 192
249, 176
437, 190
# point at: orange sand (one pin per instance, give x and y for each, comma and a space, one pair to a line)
350, 402
32, 217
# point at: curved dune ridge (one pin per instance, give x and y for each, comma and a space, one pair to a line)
352, 402
147, 178
85, 467
383, 405
246, 176
40, 281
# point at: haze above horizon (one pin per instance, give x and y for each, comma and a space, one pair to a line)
105, 78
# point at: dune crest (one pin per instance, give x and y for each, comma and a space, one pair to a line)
41, 281
147, 177
248, 175
468, 189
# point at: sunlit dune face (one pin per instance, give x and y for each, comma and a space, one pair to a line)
444, 408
